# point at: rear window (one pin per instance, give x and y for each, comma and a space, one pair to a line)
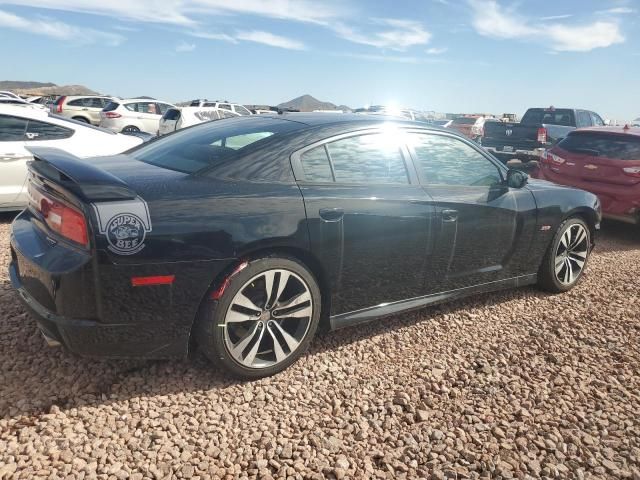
212, 143
171, 114
111, 106
615, 147
561, 116
465, 121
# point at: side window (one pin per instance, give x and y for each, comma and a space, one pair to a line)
315, 165
241, 110
46, 131
78, 102
225, 106
443, 160
227, 114
12, 128
162, 107
596, 120
94, 102
584, 119
132, 106
374, 158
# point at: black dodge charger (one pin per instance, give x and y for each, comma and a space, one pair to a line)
241, 237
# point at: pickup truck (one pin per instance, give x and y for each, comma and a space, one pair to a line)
539, 129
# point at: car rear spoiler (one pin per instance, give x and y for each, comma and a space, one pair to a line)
84, 180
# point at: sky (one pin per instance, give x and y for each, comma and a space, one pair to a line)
497, 56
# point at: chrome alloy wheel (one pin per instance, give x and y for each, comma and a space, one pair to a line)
571, 254
268, 318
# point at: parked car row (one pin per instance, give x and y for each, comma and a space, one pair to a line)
22, 128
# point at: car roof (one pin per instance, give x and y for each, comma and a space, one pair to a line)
23, 110
320, 119
635, 131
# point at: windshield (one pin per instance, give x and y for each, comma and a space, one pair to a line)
207, 144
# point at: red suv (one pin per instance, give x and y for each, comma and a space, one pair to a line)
601, 160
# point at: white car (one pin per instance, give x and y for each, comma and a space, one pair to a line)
177, 118
224, 105
20, 102
7, 94
133, 115
22, 127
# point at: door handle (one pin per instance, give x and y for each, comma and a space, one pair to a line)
85, 109
449, 215
331, 214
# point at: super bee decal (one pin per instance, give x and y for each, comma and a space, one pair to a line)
125, 224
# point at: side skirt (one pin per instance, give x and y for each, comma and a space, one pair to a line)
385, 309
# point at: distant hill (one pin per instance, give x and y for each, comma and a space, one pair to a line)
307, 103
40, 88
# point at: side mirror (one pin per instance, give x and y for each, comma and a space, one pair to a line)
516, 178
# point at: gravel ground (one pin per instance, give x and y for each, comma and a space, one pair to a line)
518, 384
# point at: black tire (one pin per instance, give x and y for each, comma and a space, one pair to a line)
210, 327
547, 278
131, 129
81, 119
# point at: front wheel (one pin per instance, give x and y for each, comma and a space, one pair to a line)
265, 320
566, 257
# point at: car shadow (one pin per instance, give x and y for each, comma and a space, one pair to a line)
34, 377
617, 237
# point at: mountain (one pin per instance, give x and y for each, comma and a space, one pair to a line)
39, 88
306, 103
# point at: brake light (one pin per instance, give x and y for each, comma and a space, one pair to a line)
542, 135
548, 157
60, 217
632, 171
112, 115
59, 104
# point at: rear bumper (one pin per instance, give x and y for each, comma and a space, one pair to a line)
101, 314
516, 153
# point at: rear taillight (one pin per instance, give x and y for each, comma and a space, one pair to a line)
60, 217
112, 115
542, 135
632, 171
59, 104
551, 158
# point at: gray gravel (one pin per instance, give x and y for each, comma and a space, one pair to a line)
518, 384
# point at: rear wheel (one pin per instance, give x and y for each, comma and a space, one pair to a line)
80, 119
566, 258
265, 319
130, 129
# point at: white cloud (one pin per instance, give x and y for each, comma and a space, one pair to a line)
59, 30
212, 36
270, 39
388, 33
298, 10
183, 47
491, 20
556, 17
436, 50
189, 12
617, 11
584, 38
159, 11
